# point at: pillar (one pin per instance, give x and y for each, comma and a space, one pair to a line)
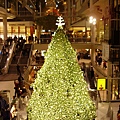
109, 94
109, 68
85, 31
38, 31
93, 33
93, 55
5, 27
91, 3
16, 7
6, 4
109, 80
93, 38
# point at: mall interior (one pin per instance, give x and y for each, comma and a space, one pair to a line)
92, 27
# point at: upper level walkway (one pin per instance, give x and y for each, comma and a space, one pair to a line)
75, 45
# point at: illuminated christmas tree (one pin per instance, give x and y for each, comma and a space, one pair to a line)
60, 91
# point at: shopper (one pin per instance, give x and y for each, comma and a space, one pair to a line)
16, 83
18, 69
5, 114
92, 72
99, 60
20, 78
118, 114
78, 56
96, 59
104, 64
0, 70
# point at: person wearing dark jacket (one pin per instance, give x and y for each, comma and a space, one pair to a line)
118, 113
5, 113
18, 69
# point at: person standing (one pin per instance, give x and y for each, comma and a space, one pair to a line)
16, 83
96, 59
78, 56
99, 60
18, 69
4, 112
104, 64
118, 113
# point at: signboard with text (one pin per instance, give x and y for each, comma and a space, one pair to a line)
101, 84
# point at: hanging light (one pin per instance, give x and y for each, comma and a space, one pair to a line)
92, 20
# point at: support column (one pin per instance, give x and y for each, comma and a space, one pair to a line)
5, 4
109, 69
5, 28
93, 38
93, 33
91, 3
85, 32
109, 94
16, 7
93, 55
109, 80
38, 31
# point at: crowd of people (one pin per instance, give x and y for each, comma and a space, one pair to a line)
83, 55
99, 60
37, 57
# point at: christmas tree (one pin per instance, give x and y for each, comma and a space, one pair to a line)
60, 91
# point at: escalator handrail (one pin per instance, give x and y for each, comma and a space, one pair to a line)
29, 58
18, 62
6, 67
1, 54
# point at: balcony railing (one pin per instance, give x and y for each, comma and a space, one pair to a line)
48, 40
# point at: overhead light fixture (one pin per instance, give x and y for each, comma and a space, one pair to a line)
92, 20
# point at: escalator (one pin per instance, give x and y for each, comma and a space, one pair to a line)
5, 55
14, 61
21, 57
24, 59
90, 79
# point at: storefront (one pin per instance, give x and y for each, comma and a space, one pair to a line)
18, 29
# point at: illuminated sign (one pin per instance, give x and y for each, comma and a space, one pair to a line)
101, 84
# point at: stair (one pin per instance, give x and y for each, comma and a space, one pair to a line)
21, 58
13, 69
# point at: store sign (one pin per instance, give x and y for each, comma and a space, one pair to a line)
105, 51
101, 84
16, 24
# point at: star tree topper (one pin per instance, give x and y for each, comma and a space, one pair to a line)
60, 22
